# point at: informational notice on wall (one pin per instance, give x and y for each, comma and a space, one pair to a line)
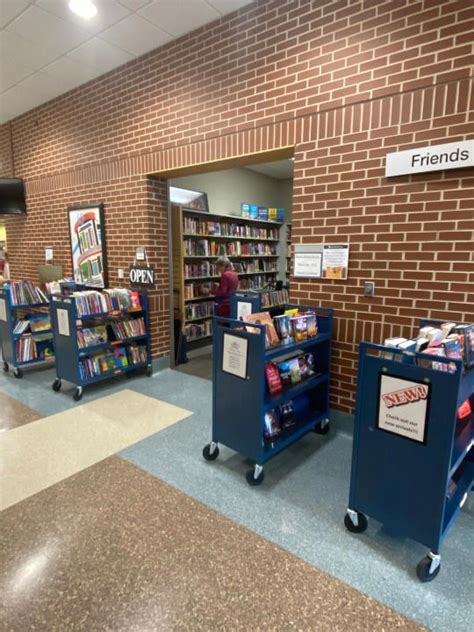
235, 355
3, 310
63, 322
403, 407
321, 261
48, 255
244, 308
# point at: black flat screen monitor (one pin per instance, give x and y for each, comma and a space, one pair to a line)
12, 196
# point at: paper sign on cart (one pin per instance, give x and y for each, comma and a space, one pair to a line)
63, 322
403, 407
234, 356
3, 310
244, 308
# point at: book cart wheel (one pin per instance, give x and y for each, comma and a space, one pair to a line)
149, 370
355, 521
77, 394
56, 385
210, 451
428, 567
255, 477
18, 373
5, 367
322, 428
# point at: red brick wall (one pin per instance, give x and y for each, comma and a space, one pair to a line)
343, 81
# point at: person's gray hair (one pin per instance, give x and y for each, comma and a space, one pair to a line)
224, 262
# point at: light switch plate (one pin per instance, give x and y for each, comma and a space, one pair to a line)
121, 274
369, 288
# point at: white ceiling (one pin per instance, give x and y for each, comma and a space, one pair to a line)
46, 50
280, 169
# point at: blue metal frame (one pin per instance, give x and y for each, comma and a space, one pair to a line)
239, 405
68, 353
399, 482
8, 338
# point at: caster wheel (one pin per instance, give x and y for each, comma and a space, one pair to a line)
56, 385
423, 569
251, 480
77, 394
5, 367
18, 373
208, 455
149, 370
361, 526
320, 429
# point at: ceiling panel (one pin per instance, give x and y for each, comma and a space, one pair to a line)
39, 26
46, 50
108, 13
135, 35
10, 9
180, 17
98, 53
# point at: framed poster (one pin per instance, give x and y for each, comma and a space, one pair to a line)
86, 232
403, 407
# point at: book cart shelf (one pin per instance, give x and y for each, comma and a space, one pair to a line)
220, 235
414, 486
9, 315
240, 403
66, 322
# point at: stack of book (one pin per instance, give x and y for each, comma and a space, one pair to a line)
25, 293
274, 297
194, 331
137, 354
194, 226
26, 350
199, 310
128, 328
92, 302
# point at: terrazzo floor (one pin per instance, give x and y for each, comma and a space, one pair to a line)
299, 508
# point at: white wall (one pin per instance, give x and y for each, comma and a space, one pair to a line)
227, 189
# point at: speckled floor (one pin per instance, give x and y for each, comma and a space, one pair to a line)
300, 508
86, 555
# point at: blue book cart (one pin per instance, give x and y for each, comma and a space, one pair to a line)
241, 401
9, 315
412, 460
64, 319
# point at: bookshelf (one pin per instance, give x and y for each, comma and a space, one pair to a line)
288, 251
198, 240
241, 403
25, 330
415, 486
95, 345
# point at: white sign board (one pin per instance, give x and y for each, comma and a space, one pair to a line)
434, 158
335, 261
3, 310
63, 322
234, 357
403, 407
307, 264
244, 308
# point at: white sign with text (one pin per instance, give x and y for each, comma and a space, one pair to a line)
434, 158
403, 407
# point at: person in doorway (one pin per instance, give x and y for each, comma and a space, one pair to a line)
229, 282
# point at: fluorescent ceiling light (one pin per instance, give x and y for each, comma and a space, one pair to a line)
83, 8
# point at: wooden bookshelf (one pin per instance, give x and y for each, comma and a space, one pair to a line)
198, 240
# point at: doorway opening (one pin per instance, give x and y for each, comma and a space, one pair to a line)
242, 213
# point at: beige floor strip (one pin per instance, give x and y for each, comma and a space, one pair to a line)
37, 455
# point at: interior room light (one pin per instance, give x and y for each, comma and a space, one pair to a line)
84, 8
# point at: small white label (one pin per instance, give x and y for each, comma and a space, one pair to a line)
403, 407
48, 255
234, 357
244, 308
3, 310
140, 254
63, 322
434, 158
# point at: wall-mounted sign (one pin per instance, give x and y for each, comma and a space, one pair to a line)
327, 261
142, 276
403, 407
140, 254
48, 255
434, 158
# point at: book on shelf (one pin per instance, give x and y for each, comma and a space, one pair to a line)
128, 328
263, 318
112, 360
90, 336
26, 293
21, 327
26, 350
226, 228
90, 302
39, 322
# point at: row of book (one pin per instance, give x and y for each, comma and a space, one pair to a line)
112, 360
207, 269
120, 329
449, 340
195, 226
278, 423
33, 323
292, 326
288, 372
91, 302
274, 297
199, 310
264, 213
194, 331
210, 248
26, 293
28, 349
204, 290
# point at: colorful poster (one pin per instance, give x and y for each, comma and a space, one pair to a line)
87, 245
